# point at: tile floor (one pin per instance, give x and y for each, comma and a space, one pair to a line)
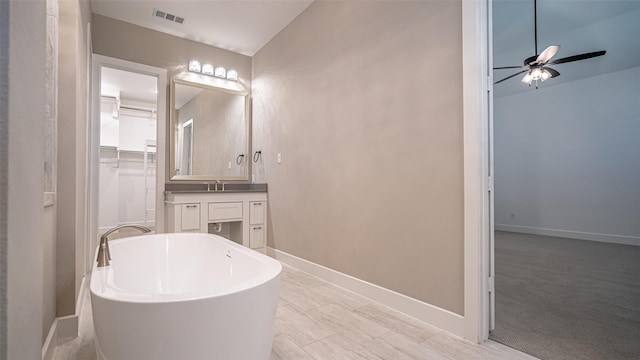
317, 320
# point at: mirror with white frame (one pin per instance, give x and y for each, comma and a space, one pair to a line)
209, 128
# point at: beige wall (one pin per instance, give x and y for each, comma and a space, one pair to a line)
72, 123
134, 43
364, 101
23, 177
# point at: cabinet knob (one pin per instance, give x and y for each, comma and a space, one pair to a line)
257, 227
255, 203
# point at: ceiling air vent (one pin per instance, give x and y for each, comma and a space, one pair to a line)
167, 16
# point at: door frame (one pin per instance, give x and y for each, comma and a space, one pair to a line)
477, 80
98, 62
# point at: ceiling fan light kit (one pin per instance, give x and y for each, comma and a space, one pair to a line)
537, 74
536, 67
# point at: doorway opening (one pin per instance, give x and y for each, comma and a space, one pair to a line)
567, 253
126, 145
185, 148
128, 155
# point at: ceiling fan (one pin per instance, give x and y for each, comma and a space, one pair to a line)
537, 66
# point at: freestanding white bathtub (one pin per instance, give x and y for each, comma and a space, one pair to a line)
184, 297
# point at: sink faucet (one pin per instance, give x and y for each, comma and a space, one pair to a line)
103, 251
215, 188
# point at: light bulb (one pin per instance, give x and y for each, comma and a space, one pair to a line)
536, 74
527, 78
545, 75
232, 75
220, 72
207, 69
194, 66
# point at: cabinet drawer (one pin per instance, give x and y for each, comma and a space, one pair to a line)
225, 211
256, 237
190, 214
257, 212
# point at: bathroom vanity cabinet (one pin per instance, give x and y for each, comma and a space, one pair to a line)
237, 216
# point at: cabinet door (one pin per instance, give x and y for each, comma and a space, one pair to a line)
256, 237
257, 212
190, 217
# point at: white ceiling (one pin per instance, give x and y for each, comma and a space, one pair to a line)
578, 26
242, 26
128, 85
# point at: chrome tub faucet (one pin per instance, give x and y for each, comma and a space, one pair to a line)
103, 251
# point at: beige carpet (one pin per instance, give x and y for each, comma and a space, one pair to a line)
568, 299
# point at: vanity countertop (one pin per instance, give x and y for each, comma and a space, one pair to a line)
202, 188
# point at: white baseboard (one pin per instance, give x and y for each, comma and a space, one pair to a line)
49, 346
438, 317
64, 326
606, 238
84, 286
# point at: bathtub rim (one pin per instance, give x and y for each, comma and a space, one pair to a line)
272, 271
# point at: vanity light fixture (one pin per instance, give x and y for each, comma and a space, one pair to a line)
194, 66
220, 72
207, 69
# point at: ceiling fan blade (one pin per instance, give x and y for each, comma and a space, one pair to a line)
547, 54
578, 57
552, 72
509, 67
509, 77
